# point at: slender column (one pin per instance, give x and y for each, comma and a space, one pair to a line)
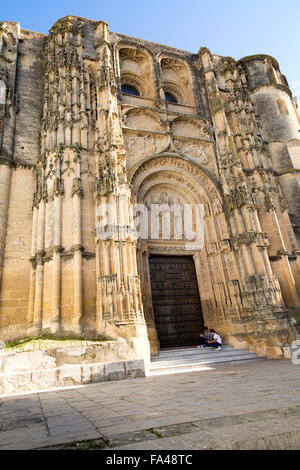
124, 267
56, 266
77, 262
113, 270
134, 259
32, 266
38, 303
98, 291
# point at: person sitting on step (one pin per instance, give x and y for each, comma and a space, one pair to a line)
204, 338
216, 342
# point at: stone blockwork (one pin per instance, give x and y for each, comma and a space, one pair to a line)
59, 365
92, 119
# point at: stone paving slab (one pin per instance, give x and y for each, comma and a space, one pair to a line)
236, 406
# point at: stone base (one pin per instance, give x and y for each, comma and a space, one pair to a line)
262, 348
68, 375
87, 362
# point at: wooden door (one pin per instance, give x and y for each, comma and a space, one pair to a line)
176, 301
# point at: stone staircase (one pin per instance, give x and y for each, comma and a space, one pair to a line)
192, 359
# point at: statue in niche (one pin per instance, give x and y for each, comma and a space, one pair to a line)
164, 199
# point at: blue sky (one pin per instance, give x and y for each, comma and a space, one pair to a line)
233, 28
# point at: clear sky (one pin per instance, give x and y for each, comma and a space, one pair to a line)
235, 28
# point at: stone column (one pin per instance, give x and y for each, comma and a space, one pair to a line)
77, 250
39, 277
33, 266
56, 269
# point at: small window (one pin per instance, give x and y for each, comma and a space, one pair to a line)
130, 90
282, 107
170, 98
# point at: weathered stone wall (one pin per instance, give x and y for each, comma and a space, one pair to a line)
22, 70
16, 269
73, 141
38, 367
29, 90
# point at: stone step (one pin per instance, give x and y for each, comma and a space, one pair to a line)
188, 351
184, 368
173, 361
201, 357
206, 360
195, 352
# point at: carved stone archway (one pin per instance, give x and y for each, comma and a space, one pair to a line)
168, 180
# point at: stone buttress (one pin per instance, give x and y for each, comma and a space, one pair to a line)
83, 261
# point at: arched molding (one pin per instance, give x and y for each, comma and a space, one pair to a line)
178, 58
175, 90
144, 79
129, 78
178, 181
178, 164
121, 44
202, 126
182, 90
144, 112
191, 179
186, 189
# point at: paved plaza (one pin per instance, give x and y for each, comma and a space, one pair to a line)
240, 406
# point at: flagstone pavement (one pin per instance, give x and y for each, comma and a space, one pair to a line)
254, 405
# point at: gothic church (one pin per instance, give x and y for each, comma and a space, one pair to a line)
90, 118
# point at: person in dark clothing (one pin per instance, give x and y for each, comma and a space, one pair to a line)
204, 338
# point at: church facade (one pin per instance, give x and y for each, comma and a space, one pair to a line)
112, 148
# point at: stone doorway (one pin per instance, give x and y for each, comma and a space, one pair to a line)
176, 302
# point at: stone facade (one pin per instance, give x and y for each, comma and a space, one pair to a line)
71, 142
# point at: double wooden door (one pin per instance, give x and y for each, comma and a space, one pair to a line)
176, 301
